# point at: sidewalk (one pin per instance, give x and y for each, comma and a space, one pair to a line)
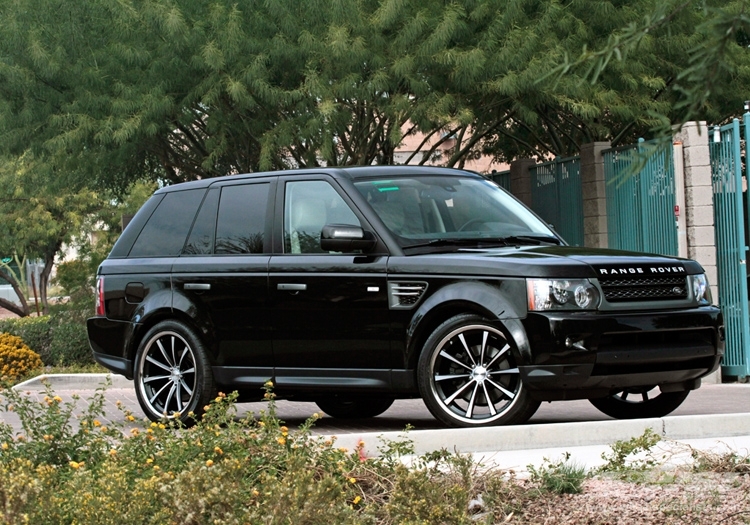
711, 415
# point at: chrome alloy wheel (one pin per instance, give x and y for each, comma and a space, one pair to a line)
474, 375
167, 374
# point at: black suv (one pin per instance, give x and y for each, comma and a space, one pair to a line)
352, 287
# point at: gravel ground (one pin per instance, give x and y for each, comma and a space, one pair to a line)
673, 498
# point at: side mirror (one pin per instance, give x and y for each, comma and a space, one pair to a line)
346, 238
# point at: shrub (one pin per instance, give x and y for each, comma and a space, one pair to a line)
69, 345
562, 477
16, 359
35, 332
68, 468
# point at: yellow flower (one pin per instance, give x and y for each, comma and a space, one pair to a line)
206, 408
209, 463
261, 424
352, 480
316, 416
357, 499
281, 441
162, 426
97, 423
135, 431
130, 418
284, 429
176, 415
218, 450
153, 425
268, 384
47, 437
4, 446
75, 464
113, 452
149, 461
255, 493
57, 399
104, 429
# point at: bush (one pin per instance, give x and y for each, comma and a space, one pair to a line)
35, 332
69, 345
222, 470
16, 359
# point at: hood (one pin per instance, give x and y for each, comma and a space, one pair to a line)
544, 261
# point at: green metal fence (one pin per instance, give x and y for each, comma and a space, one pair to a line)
641, 198
557, 197
502, 178
731, 246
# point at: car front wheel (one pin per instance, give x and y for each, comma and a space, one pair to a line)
468, 375
172, 373
642, 402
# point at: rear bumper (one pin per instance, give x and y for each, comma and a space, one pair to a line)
108, 340
586, 355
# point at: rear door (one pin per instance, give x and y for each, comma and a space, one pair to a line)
221, 279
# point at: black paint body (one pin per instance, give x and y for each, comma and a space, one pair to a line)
324, 323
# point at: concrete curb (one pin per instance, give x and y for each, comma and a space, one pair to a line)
558, 435
74, 382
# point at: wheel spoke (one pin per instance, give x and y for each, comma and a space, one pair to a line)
457, 393
174, 356
178, 396
164, 352
485, 336
501, 353
188, 371
153, 398
154, 378
186, 387
451, 376
446, 355
169, 398
184, 353
490, 404
472, 400
157, 363
504, 371
466, 347
508, 393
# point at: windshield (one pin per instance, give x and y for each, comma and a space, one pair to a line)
431, 209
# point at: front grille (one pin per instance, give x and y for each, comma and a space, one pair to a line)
644, 289
404, 294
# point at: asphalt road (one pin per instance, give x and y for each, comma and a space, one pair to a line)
709, 399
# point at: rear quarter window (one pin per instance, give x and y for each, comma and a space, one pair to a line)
165, 232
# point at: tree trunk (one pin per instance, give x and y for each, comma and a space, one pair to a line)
21, 311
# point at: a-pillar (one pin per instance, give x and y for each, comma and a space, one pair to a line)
594, 195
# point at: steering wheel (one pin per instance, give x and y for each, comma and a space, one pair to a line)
469, 223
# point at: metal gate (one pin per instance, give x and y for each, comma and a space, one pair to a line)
641, 198
557, 197
731, 245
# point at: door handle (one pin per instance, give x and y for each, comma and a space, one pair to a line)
197, 286
291, 287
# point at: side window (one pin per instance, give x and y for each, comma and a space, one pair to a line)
165, 232
241, 222
201, 239
308, 206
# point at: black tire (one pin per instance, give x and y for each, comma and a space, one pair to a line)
354, 408
468, 375
637, 403
173, 373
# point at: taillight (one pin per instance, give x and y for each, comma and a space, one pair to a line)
100, 296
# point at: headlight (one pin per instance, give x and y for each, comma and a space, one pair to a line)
561, 294
701, 290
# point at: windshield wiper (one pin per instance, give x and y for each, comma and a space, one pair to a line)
535, 239
486, 242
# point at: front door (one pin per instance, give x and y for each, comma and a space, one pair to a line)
330, 310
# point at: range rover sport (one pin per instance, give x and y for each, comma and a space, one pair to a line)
352, 287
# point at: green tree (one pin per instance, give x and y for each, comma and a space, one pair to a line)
37, 216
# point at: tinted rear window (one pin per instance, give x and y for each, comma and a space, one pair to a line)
241, 224
165, 232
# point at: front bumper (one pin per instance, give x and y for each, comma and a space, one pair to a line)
574, 355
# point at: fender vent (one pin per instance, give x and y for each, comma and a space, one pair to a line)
405, 294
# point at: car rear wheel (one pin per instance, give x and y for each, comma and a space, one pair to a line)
172, 373
468, 375
642, 402
354, 408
